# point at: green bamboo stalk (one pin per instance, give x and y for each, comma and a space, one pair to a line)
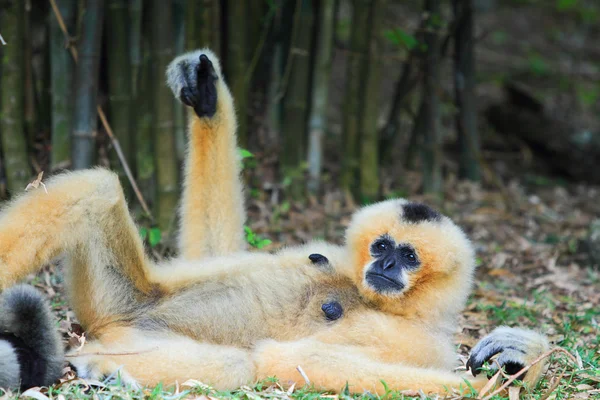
356, 71
119, 86
144, 133
369, 140
464, 85
202, 25
432, 129
12, 123
297, 94
164, 141
136, 9
236, 62
178, 111
320, 93
85, 119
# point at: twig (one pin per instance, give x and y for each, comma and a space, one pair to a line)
105, 123
2, 41
299, 368
117, 147
100, 353
527, 367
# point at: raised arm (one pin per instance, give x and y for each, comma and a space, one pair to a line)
212, 212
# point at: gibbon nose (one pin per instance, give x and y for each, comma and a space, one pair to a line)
389, 263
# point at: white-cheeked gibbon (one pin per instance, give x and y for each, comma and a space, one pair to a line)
382, 307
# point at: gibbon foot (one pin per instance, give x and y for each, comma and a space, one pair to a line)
516, 348
193, 80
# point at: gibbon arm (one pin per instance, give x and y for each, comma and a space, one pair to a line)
212, 211
332, 366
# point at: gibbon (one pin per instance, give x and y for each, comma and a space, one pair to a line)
31, 352
382, 307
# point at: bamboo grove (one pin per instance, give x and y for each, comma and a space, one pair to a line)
83, 81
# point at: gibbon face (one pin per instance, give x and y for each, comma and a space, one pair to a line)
401, 249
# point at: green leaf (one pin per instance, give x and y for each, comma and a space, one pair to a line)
263, 243
154, 237
401, 38
538, 65
143, 232
562, 5
245, 153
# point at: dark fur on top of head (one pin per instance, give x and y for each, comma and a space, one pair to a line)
417, 212
31, 352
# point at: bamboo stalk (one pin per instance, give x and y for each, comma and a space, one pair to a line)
320, 93
119, 84
236, 62
178, 111
432, 129
135, 42
105, 123
369, 140
12, 123
164, 141
464, 85
145, 166
86, 84
356, 71
296, 100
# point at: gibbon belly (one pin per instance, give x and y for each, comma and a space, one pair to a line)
278, 304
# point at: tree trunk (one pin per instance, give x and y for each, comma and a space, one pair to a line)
61, 81
432, 143
12, 124
164, 140
355, 82
297, 93
236, 62
320, 92
464, 85
119, 86
369, 135
85, 120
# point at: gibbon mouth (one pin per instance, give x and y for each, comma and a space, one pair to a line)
383, 283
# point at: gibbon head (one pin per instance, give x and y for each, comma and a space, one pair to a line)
407, 258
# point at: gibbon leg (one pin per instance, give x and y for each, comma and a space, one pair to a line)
83, 216
149, 358
212, 211
331, 366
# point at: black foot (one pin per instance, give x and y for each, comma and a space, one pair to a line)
511, 351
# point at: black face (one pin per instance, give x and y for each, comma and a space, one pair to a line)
385, 274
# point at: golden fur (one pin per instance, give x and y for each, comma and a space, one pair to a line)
229, 317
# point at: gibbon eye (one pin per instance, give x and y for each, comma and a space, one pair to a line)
411, 256
381, 246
